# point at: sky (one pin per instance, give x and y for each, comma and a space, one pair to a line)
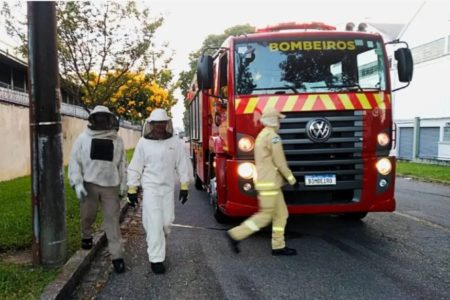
188, 23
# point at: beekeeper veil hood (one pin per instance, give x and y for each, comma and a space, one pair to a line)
158, 117
101, 118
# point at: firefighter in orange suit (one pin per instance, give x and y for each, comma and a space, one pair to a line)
271, 173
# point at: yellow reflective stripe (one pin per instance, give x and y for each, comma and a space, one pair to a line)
290, 103
345, 99
380, 100
268, 193
278, 229
271, 102
236, 103
363, 100
265, 184
132, 189
184, 186
250, 108
251, 225
327, 102
309, 103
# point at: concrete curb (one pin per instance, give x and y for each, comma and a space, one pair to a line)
71, 273
427, 180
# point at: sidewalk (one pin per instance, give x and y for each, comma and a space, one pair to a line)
71, 273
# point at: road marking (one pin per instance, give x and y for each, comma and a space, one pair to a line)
446, 229
198, 227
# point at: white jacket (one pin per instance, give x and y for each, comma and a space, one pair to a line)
101, 172
155, 163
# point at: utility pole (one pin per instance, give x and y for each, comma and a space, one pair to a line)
47, 173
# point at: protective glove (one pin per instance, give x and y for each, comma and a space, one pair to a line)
183, 193
291, 180
132, 196
80, 191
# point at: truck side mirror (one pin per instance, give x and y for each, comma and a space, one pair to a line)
204, 72
405, 64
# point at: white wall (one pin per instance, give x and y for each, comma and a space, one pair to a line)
15, 139
428, 95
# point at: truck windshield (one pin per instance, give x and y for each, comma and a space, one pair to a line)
309, 65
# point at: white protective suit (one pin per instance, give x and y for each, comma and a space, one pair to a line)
101, 172
154, 166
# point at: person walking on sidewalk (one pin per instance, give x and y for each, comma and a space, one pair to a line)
271, 172
156, 159
97, 172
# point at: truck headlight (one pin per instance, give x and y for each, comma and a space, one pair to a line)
384, 166
383, 139
246, 170
246, 144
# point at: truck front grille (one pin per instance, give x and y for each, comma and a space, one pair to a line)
341, 155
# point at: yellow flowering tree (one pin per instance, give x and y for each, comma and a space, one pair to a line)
135, 94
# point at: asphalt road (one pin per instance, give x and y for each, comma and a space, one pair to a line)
401, 255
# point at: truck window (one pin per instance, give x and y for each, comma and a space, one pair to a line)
309, 65
223, 80
195, 120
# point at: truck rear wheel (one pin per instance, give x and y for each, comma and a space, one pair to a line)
198, 183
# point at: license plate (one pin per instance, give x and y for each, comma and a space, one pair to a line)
323, 179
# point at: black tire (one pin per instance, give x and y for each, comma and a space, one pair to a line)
198, 183
354, 216
220, 217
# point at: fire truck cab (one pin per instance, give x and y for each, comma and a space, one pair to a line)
335, 89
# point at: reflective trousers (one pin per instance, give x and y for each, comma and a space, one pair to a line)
272, 208
110, 203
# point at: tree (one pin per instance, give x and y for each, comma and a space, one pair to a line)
211, 41
111, 41
136, 97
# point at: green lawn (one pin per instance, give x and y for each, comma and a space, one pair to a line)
27, 281
424, 172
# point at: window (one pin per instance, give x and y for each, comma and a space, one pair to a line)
195, 119
446, 134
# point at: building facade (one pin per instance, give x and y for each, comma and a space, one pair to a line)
422, 110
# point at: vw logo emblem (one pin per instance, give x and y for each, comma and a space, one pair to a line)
318, 130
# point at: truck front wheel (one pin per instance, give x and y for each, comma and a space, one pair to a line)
220, 217
354, 216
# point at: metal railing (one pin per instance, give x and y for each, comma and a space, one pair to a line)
21, 98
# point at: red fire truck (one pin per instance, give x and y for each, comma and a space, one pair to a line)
334, 88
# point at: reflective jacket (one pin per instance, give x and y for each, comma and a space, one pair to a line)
271, 167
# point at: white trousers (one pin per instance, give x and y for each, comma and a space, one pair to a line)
158, 214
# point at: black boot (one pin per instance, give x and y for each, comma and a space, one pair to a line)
234, 245
119, 265
86, 244
158, 268
284, 251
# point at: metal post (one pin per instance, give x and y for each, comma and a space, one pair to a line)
49, 210
416, 139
